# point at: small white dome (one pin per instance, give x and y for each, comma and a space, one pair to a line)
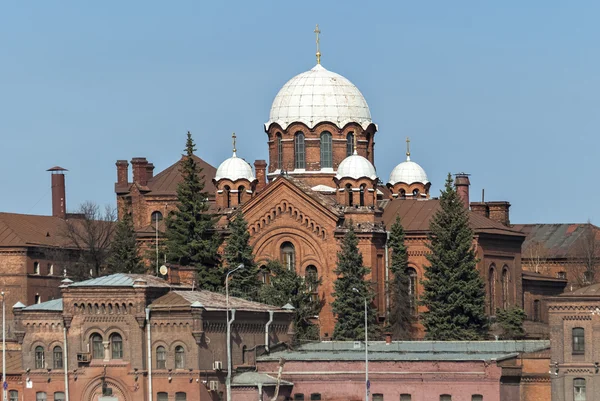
233, 169
355, 166
316, 96
408, 172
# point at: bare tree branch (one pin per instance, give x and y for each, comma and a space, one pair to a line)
587, 256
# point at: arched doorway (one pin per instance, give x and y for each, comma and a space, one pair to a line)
114, 390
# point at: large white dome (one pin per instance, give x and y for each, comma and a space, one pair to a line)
316, 96
356, 166
233, 169
408, 172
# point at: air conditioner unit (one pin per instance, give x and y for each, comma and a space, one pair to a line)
213, 385
217, 365
83, 357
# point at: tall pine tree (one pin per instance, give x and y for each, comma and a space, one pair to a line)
350, 291
124, 256
401, 315
454, 292
287, 286
244, 283
191, 236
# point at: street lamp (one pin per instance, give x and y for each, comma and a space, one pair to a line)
366, 348
229, 321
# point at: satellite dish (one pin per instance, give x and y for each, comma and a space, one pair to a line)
163, 270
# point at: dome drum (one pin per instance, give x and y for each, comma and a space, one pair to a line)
415, 190
234, 181
356, 193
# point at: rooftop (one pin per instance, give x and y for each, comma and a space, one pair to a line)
410, 351
124, 280
212, 301
55, 305
554, 240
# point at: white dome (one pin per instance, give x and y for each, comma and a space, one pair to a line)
316, 96
408, 172
233, 169
356, 167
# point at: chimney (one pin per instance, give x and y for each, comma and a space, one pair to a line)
59, 197
149, 171
499, 212
462, 187
122, 173
139, 166
260, 167
480, 208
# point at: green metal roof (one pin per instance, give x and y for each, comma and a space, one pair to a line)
55, 305
122, 280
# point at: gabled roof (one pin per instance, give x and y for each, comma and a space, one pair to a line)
124, 280
28, 229
556, 240
210, 301
416, 214
55, 305
165, 182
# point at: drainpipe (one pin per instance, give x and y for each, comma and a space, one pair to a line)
387, 277
260, 392
149, 340
267, 330
66, 363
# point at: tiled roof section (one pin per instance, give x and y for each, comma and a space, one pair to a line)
327, 201
416, 214
556, 240
528, 275
165, 182
210, 301
123, 280
28, 229
55, 305
591, 290
410, 351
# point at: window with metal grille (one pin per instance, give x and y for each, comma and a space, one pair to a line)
97, 347
161, 357
299, 150
326, 153
179, 357
57, 355
39, 358
578, 335
116, 345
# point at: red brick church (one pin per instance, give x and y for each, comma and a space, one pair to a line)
320, 175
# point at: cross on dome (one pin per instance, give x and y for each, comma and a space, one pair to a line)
233, 137
407, 149
317, 32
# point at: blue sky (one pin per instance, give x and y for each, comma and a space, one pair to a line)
506, 91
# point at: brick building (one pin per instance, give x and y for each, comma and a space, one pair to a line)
98, 334
320, 176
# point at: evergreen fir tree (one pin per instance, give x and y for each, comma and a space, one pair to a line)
287, 286
511, 322
454, 292
124, 254
244, 283
350, 291
402, 310
191, 236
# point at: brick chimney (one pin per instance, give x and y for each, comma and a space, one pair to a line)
59, 196
499, 212
480, 208
260, 167
122, 173
140, 171
462, 184
149, 171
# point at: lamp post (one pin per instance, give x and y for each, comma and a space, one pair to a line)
229, 321
4, 386
366, 348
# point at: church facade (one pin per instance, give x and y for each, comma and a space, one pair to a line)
320, 177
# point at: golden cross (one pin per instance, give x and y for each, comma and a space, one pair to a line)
317, 32
233, 140
407, 146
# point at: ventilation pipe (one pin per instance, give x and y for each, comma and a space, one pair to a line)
267, 330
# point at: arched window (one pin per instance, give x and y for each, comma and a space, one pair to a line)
57, 356
156, 216
264, 275
363, 188
405, 397
326, 154
579, 390
412, 289
288, 256
13, 395
116, 346
476, 397
179, 357
416, 193
349, 144
445, 397
40, 358
241, 192
97, 347
40, 396
492, 290
36, 268
402, 194
369, 146
161, 357
578, 337
162, 396
536, 310
59, 396
226, 195
180, 396
349, 192
505, 279
279, 152
299, 152
312, 277
317, 397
